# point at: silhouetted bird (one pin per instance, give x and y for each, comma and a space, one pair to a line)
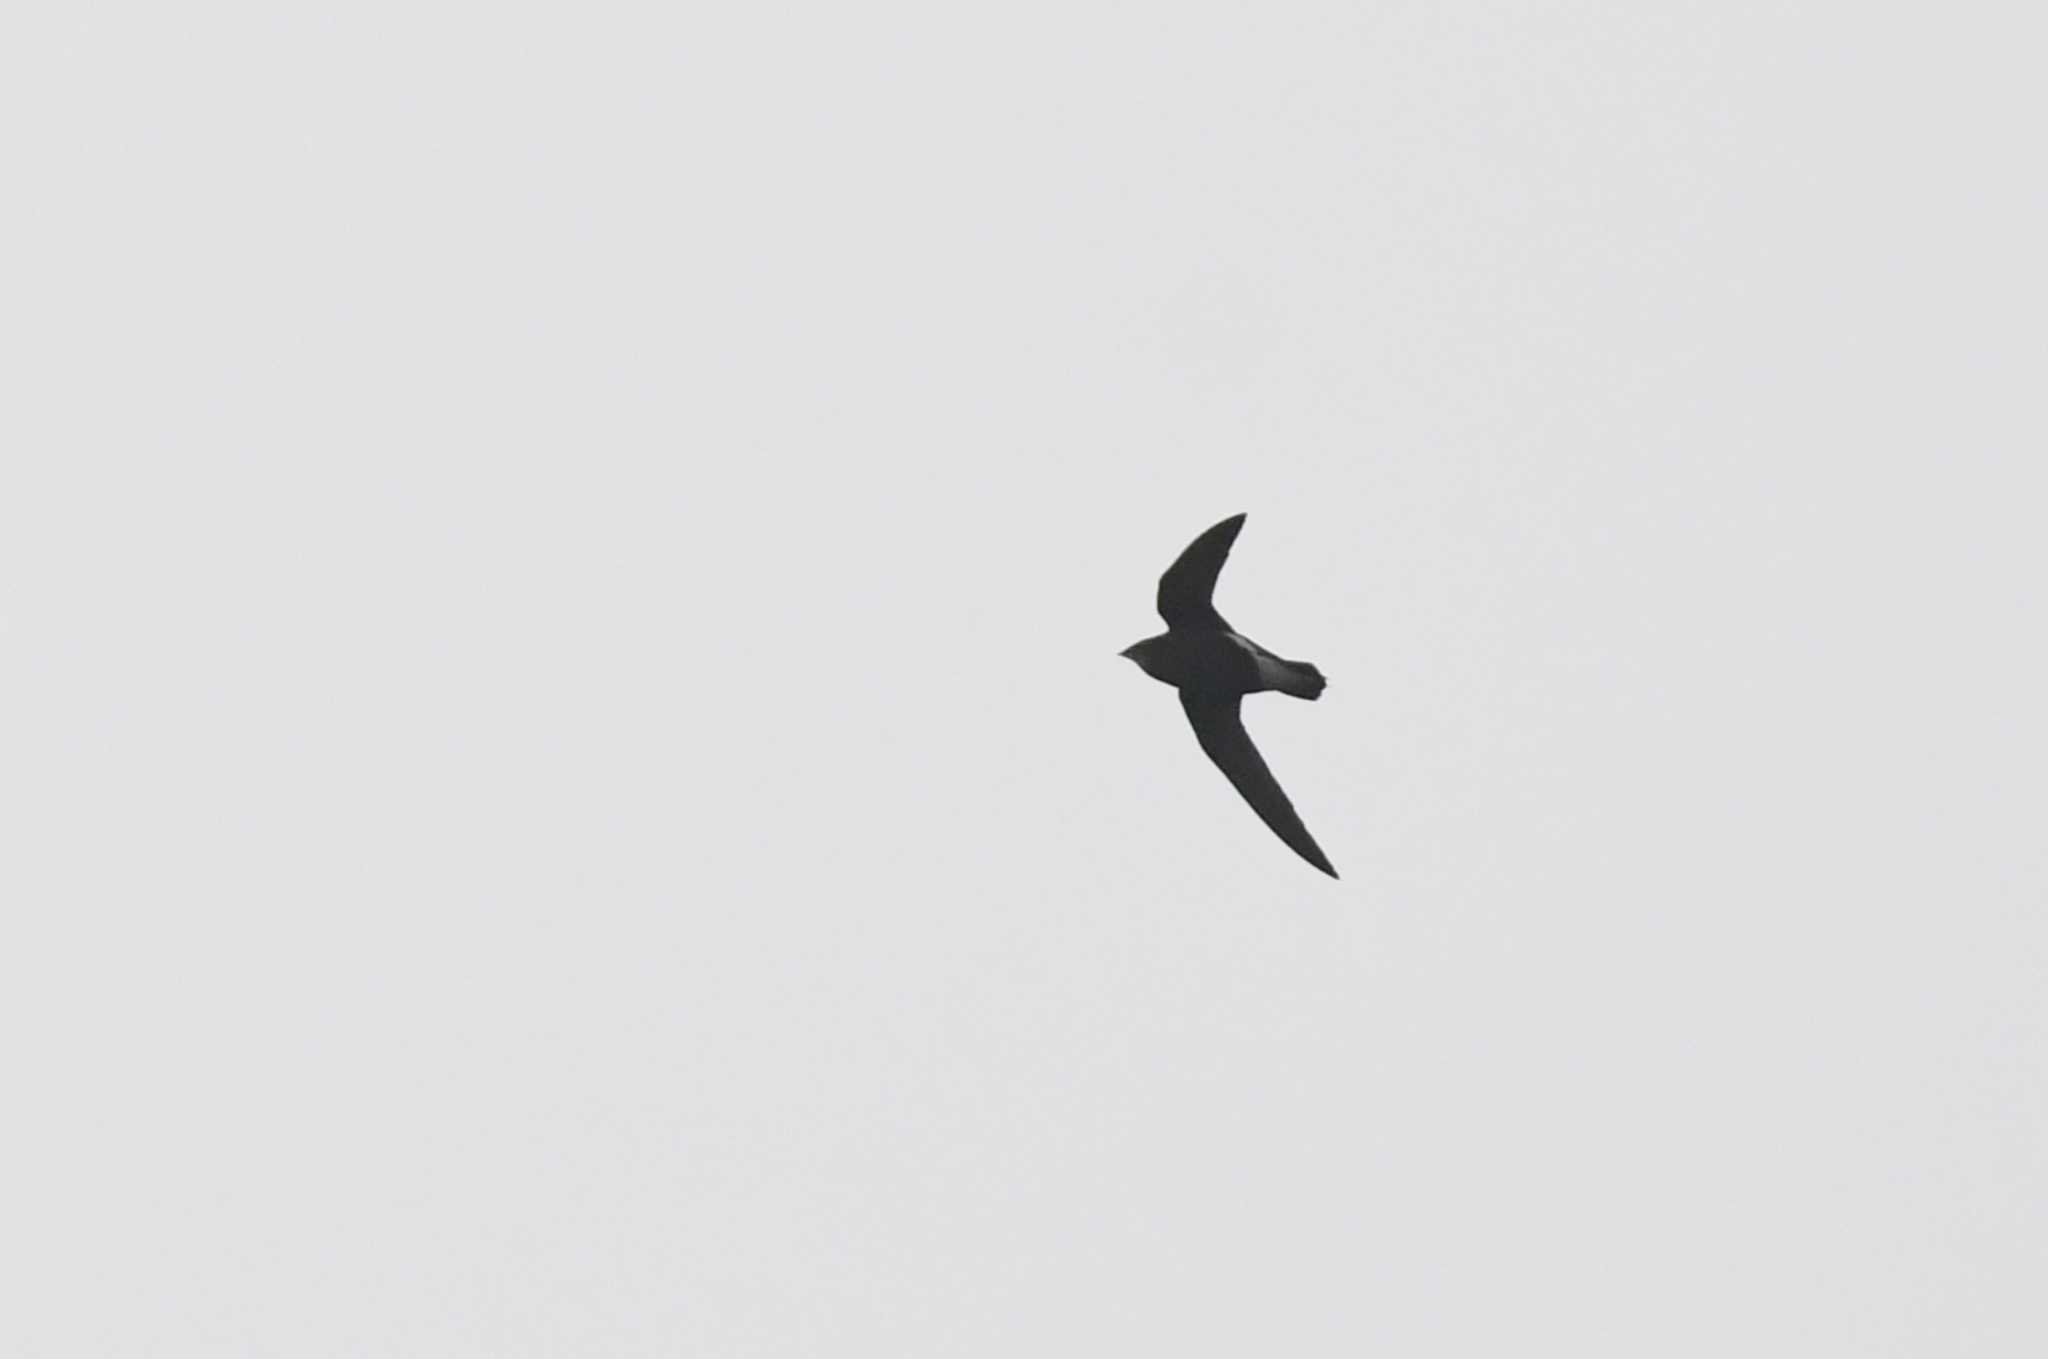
1213, 667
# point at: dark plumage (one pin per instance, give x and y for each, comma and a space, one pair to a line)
1214, 667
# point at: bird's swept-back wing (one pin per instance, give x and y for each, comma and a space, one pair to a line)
1221, 731
1185, 588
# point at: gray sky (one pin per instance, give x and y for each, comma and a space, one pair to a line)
569, 789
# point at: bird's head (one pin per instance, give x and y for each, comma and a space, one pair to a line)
1145, 655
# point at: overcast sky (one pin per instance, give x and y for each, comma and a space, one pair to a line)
569, 791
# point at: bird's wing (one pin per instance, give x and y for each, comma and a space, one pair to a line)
1185, 588
1221, 731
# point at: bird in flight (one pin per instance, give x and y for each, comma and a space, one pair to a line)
1214, 668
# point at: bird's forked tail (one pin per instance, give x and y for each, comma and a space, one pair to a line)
1300, 680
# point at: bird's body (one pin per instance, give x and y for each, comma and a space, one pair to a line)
1222, 661
1214, 667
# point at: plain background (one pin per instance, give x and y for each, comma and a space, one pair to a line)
568, 789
